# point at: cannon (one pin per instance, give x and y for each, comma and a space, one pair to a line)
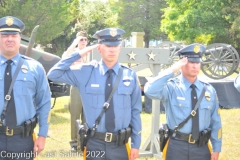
47, 60
219, 61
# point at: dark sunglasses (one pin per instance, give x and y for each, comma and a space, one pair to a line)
84, 39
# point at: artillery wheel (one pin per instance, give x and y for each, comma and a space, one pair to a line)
219, 61
173, 47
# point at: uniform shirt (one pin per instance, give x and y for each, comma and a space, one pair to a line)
176, 97
90, 80
31, 91
237, 82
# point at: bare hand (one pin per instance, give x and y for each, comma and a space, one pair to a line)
39, 145
214, 156
178, 65
134, 153
83, 52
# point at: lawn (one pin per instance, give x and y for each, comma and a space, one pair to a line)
57, 144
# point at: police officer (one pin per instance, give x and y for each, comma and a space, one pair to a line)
91, 80
30, 98
176, 95
75, 103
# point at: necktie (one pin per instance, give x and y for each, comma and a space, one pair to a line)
109, 116
195, 119
11, 120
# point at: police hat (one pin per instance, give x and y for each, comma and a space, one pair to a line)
11, 25
109, 36
193, 52
82, 34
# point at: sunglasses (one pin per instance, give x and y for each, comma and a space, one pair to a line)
84, 39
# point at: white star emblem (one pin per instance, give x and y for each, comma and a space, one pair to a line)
151, 56
132, 55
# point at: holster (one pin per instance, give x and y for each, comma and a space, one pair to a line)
82, 136
28, 126
164, 135
123, 136
204, 137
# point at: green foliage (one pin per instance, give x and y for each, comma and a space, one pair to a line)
141, 16
52, 16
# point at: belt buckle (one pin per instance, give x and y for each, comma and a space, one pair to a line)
108, 137
9, 132
190, 138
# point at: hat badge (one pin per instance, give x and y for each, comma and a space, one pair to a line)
113, 32
9, 21
196, 49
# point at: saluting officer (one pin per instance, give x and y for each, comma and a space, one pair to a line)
29, 100
180, 95
93, 81
75, 103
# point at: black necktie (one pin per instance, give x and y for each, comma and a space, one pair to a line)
11, 120
195, 119
109, 116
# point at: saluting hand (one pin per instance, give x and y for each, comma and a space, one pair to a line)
178, 65
86, 50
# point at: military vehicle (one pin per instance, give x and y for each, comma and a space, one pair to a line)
47, 60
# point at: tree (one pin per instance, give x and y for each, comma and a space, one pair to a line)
141, 16
196, 21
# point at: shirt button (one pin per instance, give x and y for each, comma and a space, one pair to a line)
180, 105
24, 79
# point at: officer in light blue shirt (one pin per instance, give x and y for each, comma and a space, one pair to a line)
90, 79
31, 96
175, 93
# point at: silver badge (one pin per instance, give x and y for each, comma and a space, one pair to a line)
24, 69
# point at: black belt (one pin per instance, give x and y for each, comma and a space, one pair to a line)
107, 137
10, 132
182, 137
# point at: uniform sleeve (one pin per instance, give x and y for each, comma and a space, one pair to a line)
216, 127
154, 89
61, 71
237, 82
43, 102
136, 104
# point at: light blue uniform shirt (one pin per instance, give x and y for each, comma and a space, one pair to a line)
176, 97
90, 79
237, 82
31, 91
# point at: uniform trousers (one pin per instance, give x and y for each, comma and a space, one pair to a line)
75, 108
182, 150
16, 148
100, 150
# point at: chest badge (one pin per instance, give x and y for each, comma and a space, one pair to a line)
24, 69
126, 80
207, 96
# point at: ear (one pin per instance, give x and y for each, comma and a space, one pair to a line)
99, 48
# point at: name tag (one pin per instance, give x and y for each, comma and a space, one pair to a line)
181, 98
94, 85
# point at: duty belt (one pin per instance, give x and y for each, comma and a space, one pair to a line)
107, 137
11, 132
182, 136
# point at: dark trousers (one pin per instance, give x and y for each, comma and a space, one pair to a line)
16, 148
100, 150
182, 150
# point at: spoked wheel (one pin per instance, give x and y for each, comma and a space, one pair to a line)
173, 47
219, 61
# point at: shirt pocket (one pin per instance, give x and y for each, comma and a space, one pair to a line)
25, 85
124, 98
182, 109
205, 112
95, 97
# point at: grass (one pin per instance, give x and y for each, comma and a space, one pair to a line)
57, 144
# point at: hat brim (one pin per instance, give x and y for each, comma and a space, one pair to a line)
112, 43
9, 32
194, 60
